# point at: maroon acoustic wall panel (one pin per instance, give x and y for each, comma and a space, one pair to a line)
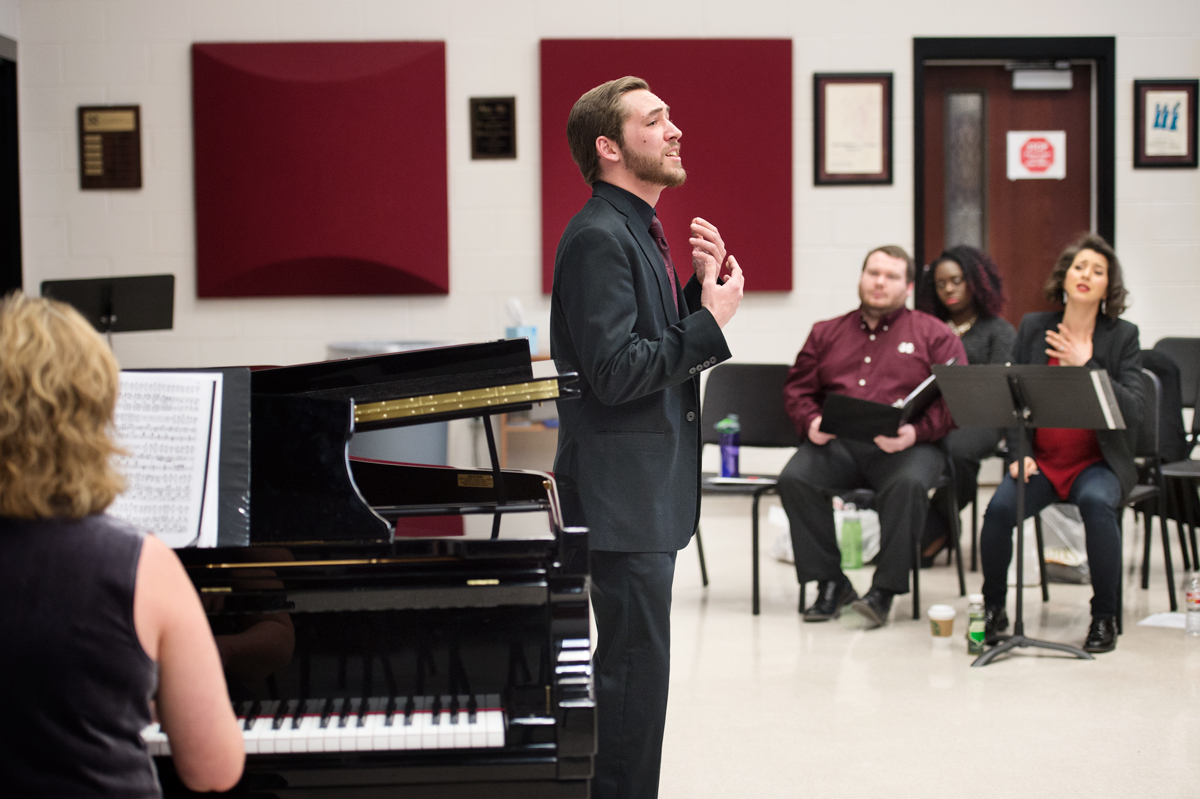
732, 98
320, 168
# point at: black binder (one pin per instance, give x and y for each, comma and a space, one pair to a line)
862, 420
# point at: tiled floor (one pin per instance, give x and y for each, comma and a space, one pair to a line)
769, 706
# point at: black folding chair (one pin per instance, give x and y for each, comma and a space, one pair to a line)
753, 391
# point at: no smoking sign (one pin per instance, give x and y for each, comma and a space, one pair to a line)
1037, 154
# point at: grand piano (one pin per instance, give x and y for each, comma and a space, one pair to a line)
395, 629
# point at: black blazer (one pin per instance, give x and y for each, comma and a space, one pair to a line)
628, 460
1115, 349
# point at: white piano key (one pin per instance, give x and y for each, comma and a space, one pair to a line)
348, 733
376, 723
156, 740
479, 738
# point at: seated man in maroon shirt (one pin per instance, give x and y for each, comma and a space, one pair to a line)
880, 351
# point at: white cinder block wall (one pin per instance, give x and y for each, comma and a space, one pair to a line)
74, 52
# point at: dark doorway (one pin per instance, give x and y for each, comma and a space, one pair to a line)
10, 185
966, 107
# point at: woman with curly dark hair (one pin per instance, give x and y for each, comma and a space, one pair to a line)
963, 288
1091, 469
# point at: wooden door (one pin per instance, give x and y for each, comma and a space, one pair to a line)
1023, 224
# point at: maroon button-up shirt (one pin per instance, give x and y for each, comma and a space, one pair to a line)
844, 356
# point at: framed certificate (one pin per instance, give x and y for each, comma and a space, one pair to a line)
852, 128
1164, 124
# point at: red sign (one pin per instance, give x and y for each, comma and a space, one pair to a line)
1037, 154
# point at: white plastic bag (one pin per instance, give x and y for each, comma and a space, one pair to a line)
1065, 543
782, 548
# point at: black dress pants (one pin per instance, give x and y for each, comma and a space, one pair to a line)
631, 597
901, 482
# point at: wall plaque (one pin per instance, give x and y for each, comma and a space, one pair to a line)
493, 127
110, 147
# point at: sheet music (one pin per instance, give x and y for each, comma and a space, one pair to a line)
169, 423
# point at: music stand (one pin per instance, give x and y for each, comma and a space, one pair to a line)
119, 304
1031, 397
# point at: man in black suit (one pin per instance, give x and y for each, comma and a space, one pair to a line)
628, 461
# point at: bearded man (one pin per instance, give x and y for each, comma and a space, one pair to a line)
880, 351
628, 460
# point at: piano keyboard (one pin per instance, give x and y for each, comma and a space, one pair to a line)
352, 725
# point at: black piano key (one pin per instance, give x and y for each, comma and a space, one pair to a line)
252, 713
435, 710
454, 708
473, 707
493, 702
286, 709
326, 711
344, 715
311, 707
410, 705
358, 710
390, 712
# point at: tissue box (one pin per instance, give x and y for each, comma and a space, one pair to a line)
524, 331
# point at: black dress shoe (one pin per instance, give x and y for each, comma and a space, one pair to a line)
832, 596
874, 607
1102, 635
995, 621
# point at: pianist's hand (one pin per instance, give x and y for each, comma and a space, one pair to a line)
905, 437
816, 436
1030, 468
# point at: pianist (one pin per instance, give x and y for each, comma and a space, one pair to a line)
880, 352
628, 458
98, 619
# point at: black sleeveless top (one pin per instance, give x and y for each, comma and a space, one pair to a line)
76, 681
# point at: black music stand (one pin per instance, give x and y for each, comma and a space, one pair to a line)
119, 304
1029, 396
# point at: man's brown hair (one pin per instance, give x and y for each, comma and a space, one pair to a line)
910, 267
1114, 300
599, 112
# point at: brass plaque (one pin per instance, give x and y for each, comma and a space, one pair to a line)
493, 127
110, 147
475, 481
123, 121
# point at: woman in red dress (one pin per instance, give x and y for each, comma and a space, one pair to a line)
1093, 470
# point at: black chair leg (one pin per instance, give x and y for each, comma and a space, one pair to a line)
1121, 585
1165, 507
1041, 548
801, 597
916, 577
754, 552
975, 532
700, 551
1146, 549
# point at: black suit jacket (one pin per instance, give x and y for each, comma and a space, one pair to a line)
1115, 349
628, 460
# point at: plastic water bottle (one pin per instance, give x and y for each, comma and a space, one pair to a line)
729, 431
1191, 591
976, 628
851, 538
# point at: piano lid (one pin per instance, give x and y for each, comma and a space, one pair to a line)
421, 386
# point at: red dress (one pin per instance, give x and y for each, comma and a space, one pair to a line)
1062, 453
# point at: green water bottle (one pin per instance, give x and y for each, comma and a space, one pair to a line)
851, 538
975, 625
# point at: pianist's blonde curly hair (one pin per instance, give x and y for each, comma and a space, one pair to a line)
58, 389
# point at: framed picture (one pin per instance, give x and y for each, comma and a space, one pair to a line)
852, 128
1164, 124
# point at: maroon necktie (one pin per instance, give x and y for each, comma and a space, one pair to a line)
656, 230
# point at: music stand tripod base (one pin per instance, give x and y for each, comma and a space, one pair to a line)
1012, 642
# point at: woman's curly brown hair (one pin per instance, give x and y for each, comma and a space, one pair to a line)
1115, 300
58, 389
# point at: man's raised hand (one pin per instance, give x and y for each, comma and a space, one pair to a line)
722, 300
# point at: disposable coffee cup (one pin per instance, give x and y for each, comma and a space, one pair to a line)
941, 624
